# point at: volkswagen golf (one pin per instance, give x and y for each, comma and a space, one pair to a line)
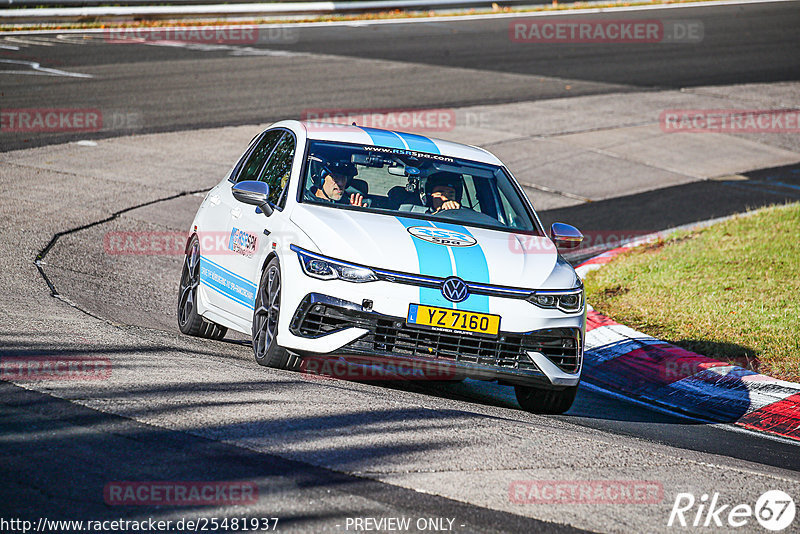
359, 245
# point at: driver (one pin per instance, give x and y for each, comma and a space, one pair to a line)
331, 185
443, 192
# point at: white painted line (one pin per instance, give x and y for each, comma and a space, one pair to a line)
37, 41
37, 69
730, 427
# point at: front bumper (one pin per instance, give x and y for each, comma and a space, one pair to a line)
547, 358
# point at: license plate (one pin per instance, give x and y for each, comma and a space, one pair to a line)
447, 319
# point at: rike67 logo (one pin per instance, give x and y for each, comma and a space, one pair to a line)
774, 510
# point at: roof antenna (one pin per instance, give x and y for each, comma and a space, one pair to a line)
354, 123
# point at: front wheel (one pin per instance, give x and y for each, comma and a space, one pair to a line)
545, 401
265, 321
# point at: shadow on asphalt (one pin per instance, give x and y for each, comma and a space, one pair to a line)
666, 208
58, 456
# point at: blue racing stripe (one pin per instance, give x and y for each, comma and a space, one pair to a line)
434, 260
384, 138
227, 283
471, 266
419, 143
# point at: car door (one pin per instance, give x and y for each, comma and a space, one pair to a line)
228, 289
251, 232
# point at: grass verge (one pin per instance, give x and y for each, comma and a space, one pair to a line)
730, 291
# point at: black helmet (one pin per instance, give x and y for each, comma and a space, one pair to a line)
342, 168
449, 179
321, 168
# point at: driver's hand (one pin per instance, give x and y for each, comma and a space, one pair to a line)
357, 199
450, 205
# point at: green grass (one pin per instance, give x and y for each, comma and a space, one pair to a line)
730, 291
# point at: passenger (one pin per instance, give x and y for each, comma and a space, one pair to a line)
443, 192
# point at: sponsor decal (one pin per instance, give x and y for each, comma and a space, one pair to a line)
465, 261
242, 242
440, 236
228, 284
406, 152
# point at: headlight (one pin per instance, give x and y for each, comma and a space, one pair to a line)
570, 301
324, 268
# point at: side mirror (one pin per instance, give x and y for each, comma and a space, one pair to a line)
254, 193
565, 236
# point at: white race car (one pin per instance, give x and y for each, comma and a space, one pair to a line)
358, 244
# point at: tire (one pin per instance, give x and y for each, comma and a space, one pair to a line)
265, 321
545, 401
189, 321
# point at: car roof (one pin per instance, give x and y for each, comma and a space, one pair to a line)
392, 139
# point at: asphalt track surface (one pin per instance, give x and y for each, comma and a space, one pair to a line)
387, 66
61, 447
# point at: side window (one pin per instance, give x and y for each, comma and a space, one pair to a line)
470, 197
279, 167
507, 216
255, 161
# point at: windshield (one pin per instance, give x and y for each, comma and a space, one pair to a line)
404, 182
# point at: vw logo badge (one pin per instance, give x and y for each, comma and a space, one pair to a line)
454, 289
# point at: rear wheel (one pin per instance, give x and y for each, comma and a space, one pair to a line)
189, 321
545, 401
265, 321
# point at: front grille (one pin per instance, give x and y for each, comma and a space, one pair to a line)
386, 334
321, 319
398, 338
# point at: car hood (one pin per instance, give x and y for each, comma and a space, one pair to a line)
386, 241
